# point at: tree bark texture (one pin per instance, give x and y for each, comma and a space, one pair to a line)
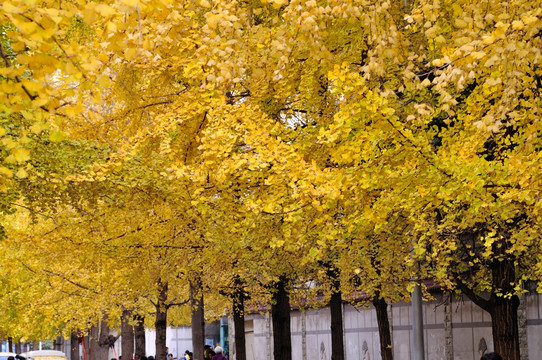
86, 346
57, 344
280, 313
239, 320
74, 345
139, 334
100, 341
198, 318
93, 338
337, 328
160, 321
127, 335
504, 311
384, 331
504, 320
104, 341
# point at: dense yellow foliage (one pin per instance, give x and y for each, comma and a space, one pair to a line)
262, 138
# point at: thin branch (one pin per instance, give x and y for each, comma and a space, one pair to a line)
7, 62
70, 281
177, 93
195, 136
139, 228
285, 212
58, 275
188, 247
57, 42
416, 148
32, 210
97, 131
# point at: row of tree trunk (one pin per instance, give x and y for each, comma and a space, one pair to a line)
98, 342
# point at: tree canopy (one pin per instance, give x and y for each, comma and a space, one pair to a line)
262, 139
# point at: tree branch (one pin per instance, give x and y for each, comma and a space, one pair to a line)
177, 303
478, 300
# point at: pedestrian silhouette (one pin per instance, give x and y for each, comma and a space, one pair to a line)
491, 356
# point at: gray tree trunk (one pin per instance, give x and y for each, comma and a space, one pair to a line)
239, 320
104, 345
198, 319
74, 346
93, 338
86, 346
160, 322
139, 334
127, 335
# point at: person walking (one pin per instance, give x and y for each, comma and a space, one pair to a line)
491, 356
208, 352
219, 354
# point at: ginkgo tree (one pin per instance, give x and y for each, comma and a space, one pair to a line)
290, 112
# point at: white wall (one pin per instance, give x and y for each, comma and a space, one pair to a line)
469, 325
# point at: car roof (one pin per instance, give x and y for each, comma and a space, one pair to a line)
43, 353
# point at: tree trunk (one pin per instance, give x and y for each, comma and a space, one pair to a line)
504, 325
503, 308
384, 332
337, 329
280, 312
18, 347
127, 333
93, 338
86, 346
57, 344
504, 311
160, 322
10, 344
139, 334
104, 343
74, 345
239, 320
198, 318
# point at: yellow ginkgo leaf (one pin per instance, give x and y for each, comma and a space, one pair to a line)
5, 171
460, 23
36, 128
21, 154
130, 53
10, 8
10, 159
130, 2
205, 4
105, 10
56, 136
518, 25
21, 173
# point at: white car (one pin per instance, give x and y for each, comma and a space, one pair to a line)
5, 355
43, 355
